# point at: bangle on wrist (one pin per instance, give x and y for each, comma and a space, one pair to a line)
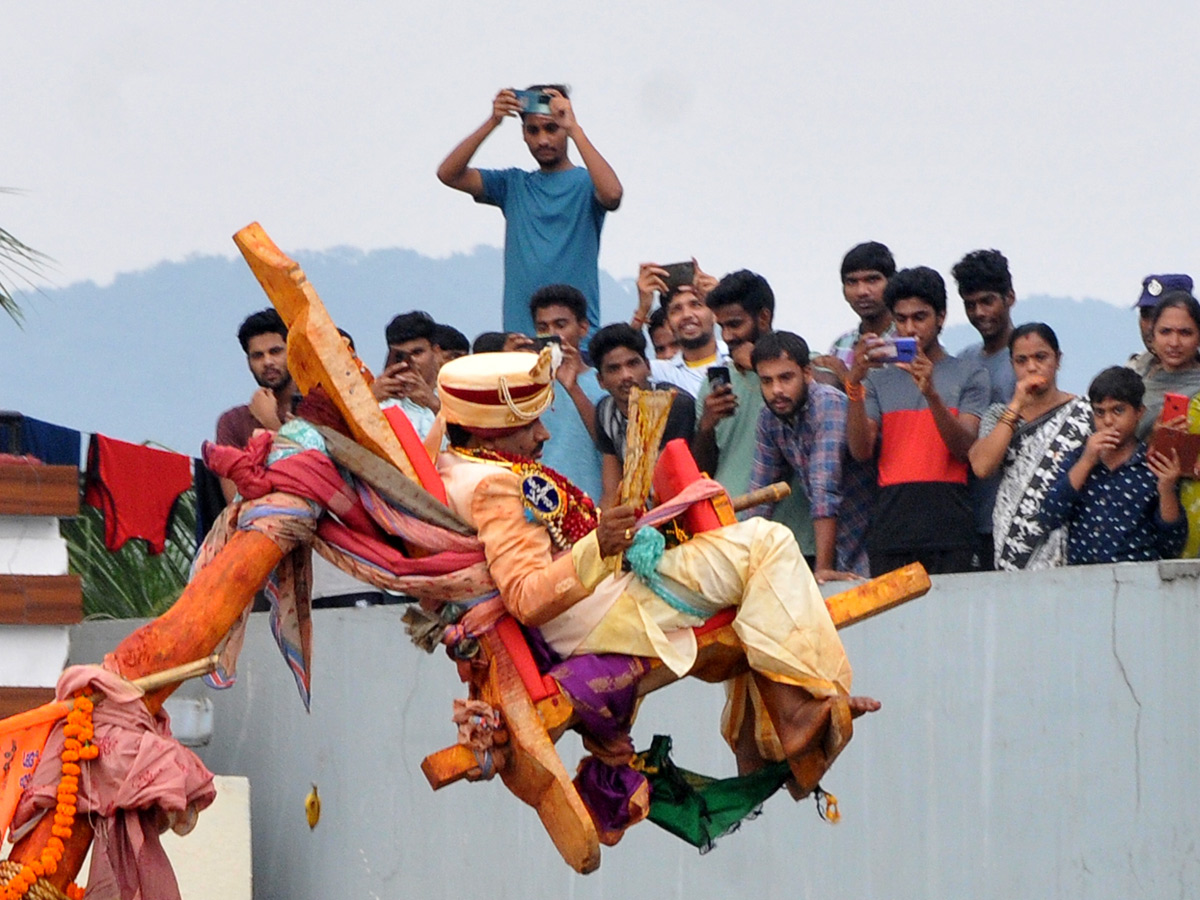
637, 321
1009, 418
854, 391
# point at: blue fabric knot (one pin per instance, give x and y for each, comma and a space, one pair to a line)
644, 556
647, 550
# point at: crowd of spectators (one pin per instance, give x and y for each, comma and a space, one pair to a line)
896, 450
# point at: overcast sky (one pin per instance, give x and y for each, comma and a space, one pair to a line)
767, 135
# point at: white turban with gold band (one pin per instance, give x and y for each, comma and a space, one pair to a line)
497, 391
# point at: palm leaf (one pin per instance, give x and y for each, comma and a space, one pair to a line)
18, 263
131, 582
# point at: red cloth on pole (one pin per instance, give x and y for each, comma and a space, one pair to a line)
136, 488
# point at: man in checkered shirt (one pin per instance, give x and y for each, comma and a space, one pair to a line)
801, 437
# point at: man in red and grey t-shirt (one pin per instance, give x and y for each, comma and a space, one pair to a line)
917, 419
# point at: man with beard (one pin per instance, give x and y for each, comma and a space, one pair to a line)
691, 322
744, 306
986, 288
553, 216
801, 434
552, 561
263, 337
619, 353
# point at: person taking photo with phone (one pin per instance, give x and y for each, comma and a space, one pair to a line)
553, 215
682, 289
559, 313
409, 376
729, 400
918, 419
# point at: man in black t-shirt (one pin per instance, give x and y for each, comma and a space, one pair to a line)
619, 354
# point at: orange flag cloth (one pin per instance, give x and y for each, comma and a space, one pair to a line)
22, 738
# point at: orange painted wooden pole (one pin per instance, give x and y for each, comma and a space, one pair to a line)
209, 606
203, 615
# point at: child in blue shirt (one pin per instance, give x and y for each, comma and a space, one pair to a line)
1119, 502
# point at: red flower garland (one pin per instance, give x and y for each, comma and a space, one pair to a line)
576, 518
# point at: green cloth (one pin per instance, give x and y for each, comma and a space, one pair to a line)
735, 460
697, 808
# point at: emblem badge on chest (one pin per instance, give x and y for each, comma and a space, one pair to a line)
541, 495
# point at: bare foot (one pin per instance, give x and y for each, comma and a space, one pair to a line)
862, 705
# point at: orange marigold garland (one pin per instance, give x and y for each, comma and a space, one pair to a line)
77, 747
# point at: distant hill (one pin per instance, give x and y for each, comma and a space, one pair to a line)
153, 356
1093, 335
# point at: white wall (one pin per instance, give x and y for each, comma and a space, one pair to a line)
1040, 737
32, 655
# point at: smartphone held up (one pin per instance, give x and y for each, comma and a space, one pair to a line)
536, 103
895, 350
679, 274
717, 376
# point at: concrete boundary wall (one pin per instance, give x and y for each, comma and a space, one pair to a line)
1040, 738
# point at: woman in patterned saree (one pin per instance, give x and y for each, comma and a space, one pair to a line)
1029, 439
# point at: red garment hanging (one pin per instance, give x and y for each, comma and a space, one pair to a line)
136, 488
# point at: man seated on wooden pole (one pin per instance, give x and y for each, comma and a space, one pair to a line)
555, 563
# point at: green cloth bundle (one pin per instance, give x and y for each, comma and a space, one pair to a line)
697, 808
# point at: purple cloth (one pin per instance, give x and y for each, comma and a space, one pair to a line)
607, 791
603, 690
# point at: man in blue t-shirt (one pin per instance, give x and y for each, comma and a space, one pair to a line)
559, 310
553, 215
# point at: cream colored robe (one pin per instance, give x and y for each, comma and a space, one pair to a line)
580, 606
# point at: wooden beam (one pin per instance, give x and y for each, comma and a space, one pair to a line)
27, 490
317, 354
878, 595
449, 765
534, 772
40, 599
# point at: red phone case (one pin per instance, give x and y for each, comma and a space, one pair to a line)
1174, 406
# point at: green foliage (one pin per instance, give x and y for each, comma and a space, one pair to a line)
131, 583
18, 262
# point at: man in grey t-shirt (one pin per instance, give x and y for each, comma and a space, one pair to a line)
918, 419
986, 288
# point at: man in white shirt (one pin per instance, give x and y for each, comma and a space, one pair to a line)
690, 320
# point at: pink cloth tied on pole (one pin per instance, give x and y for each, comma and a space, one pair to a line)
142, 783
307, 474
